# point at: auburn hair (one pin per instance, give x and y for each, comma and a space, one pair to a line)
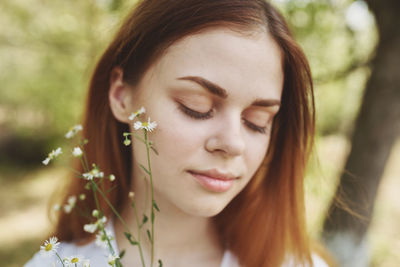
263, 224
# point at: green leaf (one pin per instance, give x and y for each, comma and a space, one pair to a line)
159, 263
129, 237
149, 235
122, 254
145, 219
155, 151
109, 190
155, 206
144, 169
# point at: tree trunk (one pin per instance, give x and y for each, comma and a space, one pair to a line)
376, 129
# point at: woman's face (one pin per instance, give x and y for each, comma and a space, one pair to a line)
214, 96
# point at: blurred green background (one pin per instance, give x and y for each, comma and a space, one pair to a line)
48, 49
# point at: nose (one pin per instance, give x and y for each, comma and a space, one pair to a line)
227, 138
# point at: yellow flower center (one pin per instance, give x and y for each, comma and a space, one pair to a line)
49, 246
145, 124
74, 260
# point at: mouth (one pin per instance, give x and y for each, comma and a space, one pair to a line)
213, 180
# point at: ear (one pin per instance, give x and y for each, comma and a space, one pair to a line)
120, 96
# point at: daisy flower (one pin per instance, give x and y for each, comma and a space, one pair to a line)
102, 239
73, 261
53, 154
92, 227
85, 263
73, 131
49, 247
70, 204
137, 113
77, 152
148, 126
94, 173
112, 259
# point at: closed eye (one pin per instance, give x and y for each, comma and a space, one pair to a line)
203, 116
194, 114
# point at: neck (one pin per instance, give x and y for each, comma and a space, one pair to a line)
179, 238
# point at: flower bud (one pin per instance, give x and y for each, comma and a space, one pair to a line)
95, 213
56, 207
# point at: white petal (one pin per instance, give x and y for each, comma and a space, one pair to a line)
87, 176
69, 135
90, 228
71, 200
77, 152
138, 125
57, 152
132, 117
46, 161
67, 208
86, 263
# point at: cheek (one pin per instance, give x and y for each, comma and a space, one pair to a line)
175, 139
255, 155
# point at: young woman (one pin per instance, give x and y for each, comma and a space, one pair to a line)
231, 93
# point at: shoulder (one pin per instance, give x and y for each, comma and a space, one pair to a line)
317, 261
230, 260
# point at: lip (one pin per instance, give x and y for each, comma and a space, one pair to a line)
214, 180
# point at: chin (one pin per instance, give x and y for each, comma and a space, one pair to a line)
204, 210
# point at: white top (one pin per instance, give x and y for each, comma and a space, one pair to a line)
98, 256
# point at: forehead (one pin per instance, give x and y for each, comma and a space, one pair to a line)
244, 64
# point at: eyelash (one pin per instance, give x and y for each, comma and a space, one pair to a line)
203, 116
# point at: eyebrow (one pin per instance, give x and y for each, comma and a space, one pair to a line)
221, 92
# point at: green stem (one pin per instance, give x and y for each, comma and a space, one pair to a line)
111, 206
120, 218
60, 259
109, 245
96, 188
139, 246
86, 165
85, 169
138, 137
152, 196
83, 160
72, 169
95, 197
